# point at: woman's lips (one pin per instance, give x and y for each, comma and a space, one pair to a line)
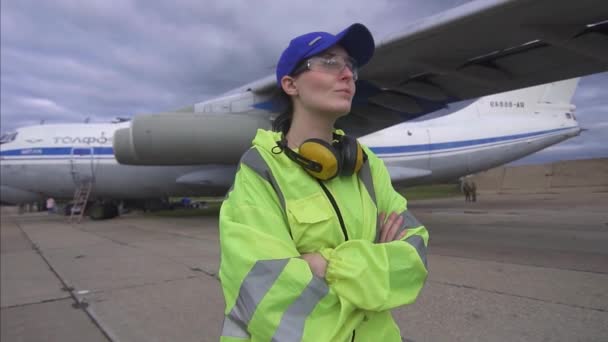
345, 91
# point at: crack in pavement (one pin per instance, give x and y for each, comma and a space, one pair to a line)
38, 302
519, 263
516, 295
88, 312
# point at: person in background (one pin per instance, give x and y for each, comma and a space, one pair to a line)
473, 191
467, 191
50, 205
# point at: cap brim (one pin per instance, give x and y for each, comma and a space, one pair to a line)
355, 39
358, 42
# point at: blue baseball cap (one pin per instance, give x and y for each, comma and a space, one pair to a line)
355, 39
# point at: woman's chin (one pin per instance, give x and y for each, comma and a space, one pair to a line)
339, 110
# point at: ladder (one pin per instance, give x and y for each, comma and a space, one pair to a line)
81, 197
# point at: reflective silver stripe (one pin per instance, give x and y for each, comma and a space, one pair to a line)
232, 186
418, 243
254, 287
365, 174
291, 327
232, 328
254, 160
409, 221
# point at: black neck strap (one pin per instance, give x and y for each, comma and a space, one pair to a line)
282, 146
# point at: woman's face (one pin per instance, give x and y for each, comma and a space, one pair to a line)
326, 91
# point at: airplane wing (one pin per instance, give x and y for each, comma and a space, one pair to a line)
480, 48
477, 49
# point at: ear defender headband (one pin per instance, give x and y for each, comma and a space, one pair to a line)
325, 161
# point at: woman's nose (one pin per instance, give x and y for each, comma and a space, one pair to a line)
346, 73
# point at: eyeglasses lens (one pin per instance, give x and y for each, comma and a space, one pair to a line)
333, 65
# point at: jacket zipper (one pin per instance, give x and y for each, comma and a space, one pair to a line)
332, 200
336, 209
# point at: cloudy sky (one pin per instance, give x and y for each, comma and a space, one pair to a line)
67, 60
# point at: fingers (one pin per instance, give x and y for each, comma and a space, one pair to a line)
394, 228
385, 226
316, 263
402, 235
382, 232
390, 227
382, 216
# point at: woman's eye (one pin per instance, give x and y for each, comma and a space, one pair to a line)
330, 62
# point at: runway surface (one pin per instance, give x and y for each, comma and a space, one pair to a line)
506, 268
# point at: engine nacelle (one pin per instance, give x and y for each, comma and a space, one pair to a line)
186, 138
14, 195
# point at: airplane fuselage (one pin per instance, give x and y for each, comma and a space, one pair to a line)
50, 160
492, 139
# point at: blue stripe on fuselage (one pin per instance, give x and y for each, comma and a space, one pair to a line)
108, 151
458, 144
58, 151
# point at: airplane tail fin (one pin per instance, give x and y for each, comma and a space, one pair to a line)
519, 102
560, 92
554, 93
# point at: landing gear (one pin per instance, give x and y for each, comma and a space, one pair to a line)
103, 211
151, 205
67, 209
96, 211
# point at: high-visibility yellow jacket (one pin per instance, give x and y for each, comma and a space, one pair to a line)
274, 213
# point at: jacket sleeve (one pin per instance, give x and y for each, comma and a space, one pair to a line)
380, 276
269, 291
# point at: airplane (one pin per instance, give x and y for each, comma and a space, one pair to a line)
472, 51
480, 48
52, 160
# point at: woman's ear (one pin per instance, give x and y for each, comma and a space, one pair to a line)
289, 85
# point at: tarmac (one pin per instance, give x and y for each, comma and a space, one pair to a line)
586, 175
510, 267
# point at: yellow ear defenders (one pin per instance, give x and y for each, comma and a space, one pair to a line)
325, 161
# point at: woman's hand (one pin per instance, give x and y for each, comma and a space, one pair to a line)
390, 228
317, 263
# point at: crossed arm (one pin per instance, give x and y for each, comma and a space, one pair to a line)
390, 231
265, 278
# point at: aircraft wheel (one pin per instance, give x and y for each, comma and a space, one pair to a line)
67, 210
103, 211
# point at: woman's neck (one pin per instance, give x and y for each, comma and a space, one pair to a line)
308, 125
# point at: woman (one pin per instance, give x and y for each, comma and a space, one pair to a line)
307, 250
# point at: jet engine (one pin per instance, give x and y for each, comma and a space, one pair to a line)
190, 138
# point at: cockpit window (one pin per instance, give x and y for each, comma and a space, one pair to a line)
8, 137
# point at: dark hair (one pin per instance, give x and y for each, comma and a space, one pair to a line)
283, 121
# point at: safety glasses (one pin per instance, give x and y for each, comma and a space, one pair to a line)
329, 64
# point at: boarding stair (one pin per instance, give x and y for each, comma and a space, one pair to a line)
81, 198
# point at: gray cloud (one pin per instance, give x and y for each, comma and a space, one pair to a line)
108, 58
65, 60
